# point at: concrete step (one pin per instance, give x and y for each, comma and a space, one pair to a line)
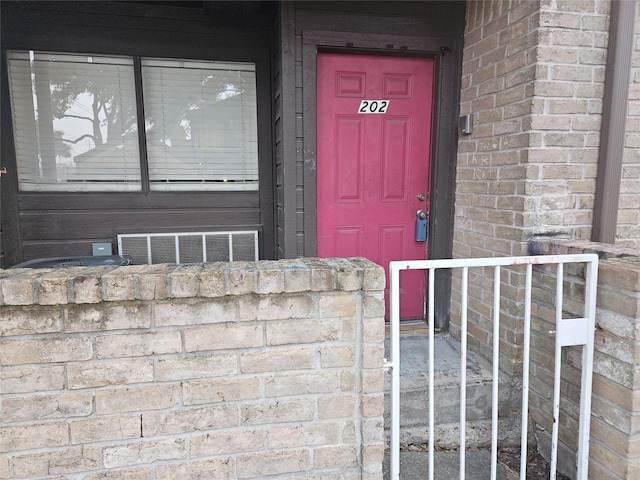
415, 466
414, 401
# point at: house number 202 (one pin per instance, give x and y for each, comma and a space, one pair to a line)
373, 106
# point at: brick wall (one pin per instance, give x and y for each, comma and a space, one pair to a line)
242, 370
493, 200
497, 89
615, 447
533, 79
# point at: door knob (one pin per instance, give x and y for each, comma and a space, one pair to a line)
421, 214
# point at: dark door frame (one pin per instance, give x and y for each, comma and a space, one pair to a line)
448, 53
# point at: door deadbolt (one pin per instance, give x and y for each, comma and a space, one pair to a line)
422, 197
422, 226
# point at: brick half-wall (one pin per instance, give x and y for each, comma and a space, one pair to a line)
240, 370
615, 414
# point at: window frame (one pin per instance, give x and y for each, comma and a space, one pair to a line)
33, 175
142, 159
191, 185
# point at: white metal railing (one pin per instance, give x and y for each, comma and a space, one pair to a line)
568, 332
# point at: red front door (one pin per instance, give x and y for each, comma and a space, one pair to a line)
374, 144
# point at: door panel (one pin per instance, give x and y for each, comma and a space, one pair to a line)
349, 168
373, 166
395, 165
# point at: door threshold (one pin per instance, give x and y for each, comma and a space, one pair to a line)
408, 327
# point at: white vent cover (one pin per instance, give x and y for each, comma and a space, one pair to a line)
189, 247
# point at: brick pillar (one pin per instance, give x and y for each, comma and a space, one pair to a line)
533, 77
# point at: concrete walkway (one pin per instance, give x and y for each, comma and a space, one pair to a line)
413, 384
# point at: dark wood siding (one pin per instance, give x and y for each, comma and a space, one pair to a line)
9, 181
38, 224
285, 140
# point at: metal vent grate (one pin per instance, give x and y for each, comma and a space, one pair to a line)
189, 247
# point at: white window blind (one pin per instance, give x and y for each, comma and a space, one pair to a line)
201, 125
74, 122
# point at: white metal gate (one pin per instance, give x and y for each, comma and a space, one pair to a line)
568, 332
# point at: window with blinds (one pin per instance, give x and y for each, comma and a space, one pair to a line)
76, 124
201, 125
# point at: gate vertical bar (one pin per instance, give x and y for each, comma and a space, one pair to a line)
394, 365
591, 283
496, 372
463, 372
557, 373
432, 395
525, 374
